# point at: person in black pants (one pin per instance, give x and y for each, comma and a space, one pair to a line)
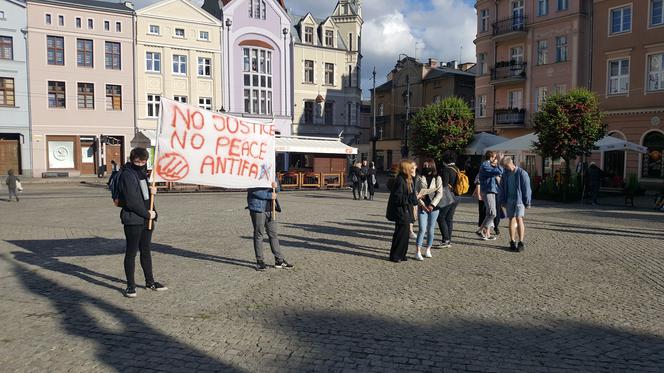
355, 174
371, 178
400, 210
135, 202
446, 216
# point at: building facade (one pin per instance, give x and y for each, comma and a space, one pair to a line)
410, 86
628, 76
81, 82
178, 56
327, 66
14, 105
526, 51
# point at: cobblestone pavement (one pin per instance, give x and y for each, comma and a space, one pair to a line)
586, 295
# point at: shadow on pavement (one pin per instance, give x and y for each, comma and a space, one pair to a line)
131, 345
361, 342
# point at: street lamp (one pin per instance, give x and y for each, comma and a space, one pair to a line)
404, 148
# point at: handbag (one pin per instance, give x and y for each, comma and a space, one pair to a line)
19, 187
448, 198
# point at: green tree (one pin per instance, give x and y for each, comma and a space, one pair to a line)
447, 125
567, 126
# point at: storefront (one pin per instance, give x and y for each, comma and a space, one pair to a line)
82, 155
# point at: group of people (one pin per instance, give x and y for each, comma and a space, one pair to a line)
363, 178
430, 197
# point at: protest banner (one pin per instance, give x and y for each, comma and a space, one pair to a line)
197, 146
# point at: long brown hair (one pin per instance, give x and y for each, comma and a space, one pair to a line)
404, 169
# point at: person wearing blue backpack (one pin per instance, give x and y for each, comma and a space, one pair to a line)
130, 191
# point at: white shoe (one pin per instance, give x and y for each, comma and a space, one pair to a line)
418, 256
428, 253
413, 235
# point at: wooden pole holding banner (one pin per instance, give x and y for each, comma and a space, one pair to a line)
274, 204
153, 175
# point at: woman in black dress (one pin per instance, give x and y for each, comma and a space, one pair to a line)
400, 210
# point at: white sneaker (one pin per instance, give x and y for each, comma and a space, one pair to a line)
413, 235
428, 253
418, 256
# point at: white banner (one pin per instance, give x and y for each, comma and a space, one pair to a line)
197, 146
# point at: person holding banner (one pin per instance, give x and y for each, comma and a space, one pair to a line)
135, 215
263, 205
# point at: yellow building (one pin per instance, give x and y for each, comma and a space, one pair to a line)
178, 56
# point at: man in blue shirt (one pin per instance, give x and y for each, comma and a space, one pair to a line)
515, 196
490, 174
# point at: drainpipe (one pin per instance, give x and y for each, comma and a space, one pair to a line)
134, 43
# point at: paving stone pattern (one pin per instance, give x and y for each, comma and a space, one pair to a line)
587, 295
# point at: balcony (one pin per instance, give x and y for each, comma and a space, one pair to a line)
507, 72
510, 27
509, 118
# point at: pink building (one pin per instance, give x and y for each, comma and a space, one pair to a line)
81, 82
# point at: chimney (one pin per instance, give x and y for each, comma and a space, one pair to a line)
129, 4
433, 63
452, 64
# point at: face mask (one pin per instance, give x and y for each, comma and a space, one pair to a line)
427, 170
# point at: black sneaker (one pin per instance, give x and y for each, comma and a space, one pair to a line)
130, 292
513, 246
520, 247
156, 286
283, 264
496, 231
260, 266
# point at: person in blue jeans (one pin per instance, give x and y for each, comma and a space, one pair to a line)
515, 196
429, 187
490, 173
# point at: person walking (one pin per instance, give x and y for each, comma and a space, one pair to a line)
364, 183
515, 195
490, 173
430, 187
135, 215
11, 182
260, 205
595, 175
400, 210
371, 179
450, 174
355, 173
481, 210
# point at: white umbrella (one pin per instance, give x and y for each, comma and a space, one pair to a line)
483, 140
609, 143
518, 144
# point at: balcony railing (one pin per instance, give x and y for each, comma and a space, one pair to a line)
512, 117
506, 26
509, 71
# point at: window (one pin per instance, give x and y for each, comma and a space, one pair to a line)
153, 62
542, 7
563, 5
381, 110
118, 26
484, 20
561, 48
179, 33
91, 23
153, 106
308, 71
107, 26
542, 47
653, 166
257, 78
561, 89
257, 9
113, 97
621, 19
542, 93
481, 106
84, 53
153, 30
329, 74
204, 35
2, 14
350, 42
78, 22
61, 20
6, 48
205, 103
481, 64
349, 111
86, 96
436, 99
618, 77
515, 99
656, 72
7, 97
179, 64
204, 66
56, 94
656, 12
309, 35
329, 112
113, 56
55, 50
48, 19
329, 38
308, 112
180, 99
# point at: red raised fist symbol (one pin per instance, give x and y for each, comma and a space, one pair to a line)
172, 167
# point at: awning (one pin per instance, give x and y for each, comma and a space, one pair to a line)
313, 145
609, 143
481, 141
518, 144
150, 134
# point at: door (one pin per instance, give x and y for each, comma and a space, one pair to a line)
88, 157
517, 14
113, 153
515, 99
9, 156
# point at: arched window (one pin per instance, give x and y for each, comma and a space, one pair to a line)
653, 164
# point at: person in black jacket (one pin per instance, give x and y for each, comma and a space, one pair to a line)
400, 210
371, 179
446, 216
135, 202
355, 179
